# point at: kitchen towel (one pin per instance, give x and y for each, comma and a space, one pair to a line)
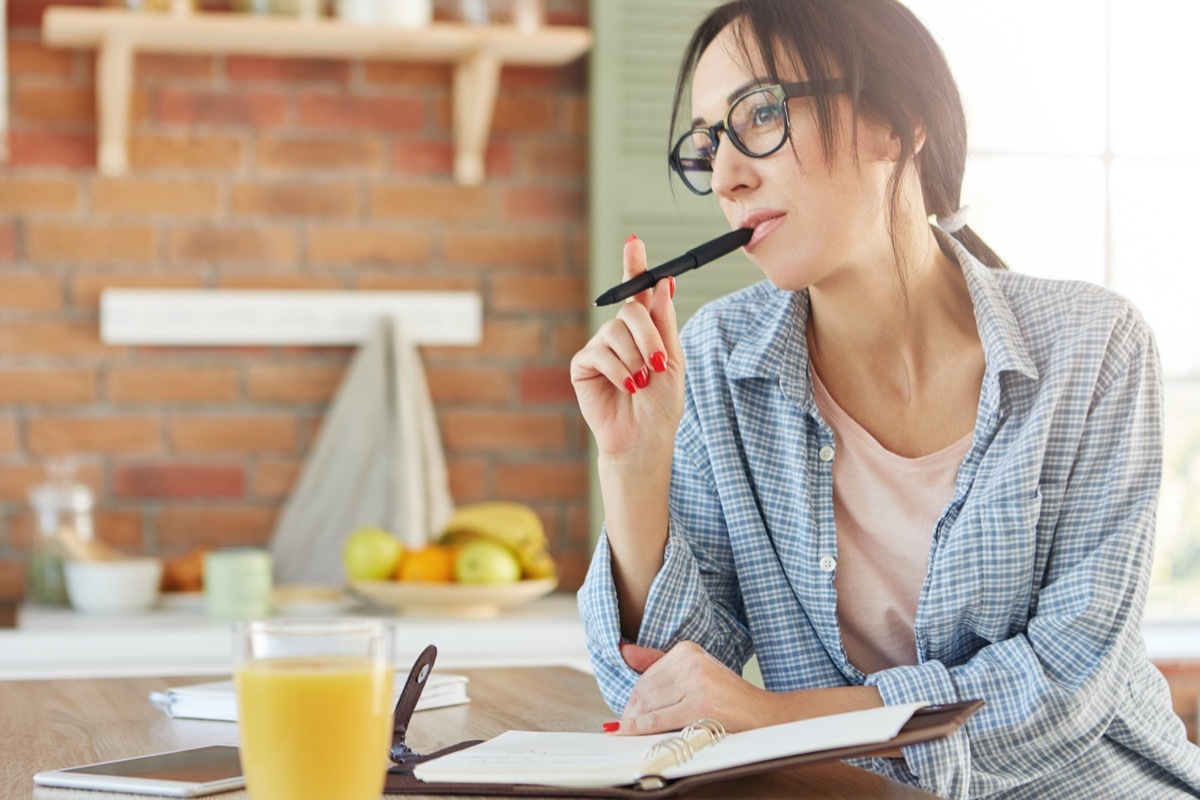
377, 460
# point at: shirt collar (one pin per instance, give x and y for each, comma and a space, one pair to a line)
776, 345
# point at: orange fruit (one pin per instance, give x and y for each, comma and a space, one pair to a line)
431, 564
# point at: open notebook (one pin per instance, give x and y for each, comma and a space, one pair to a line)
600, 759
217, 701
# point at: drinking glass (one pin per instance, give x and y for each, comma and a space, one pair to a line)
314, 707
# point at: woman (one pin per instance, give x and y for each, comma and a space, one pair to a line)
895, 471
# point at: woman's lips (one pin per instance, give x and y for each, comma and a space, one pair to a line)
763, 229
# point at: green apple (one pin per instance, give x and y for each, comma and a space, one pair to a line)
371, 554
486, 561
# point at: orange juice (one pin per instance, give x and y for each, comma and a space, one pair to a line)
314, 728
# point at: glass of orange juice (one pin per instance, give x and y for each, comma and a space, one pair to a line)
314, 707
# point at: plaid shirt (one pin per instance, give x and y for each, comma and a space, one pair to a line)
1037, 570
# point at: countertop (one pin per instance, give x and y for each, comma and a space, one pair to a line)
59, 643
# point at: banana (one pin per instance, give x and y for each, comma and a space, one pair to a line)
513, 525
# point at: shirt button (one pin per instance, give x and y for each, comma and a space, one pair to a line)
828, 563
825, 453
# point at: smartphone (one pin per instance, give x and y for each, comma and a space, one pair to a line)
180, 773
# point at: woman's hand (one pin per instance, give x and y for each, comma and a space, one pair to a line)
686, 684
629, 378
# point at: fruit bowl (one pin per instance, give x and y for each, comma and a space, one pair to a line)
463, 600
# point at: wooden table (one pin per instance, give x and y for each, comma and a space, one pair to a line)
61, 723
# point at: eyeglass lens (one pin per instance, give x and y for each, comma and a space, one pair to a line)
757, 125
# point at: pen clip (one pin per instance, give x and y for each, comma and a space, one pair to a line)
407, 704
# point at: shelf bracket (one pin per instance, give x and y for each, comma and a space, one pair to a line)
114, 79
476, 82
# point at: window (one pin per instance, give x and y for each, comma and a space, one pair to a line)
1083, 162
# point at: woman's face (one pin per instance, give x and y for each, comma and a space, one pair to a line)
814, 222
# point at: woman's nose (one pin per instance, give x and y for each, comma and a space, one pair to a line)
733, 172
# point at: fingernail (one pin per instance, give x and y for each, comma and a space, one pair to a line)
630, 238
672, 285
610, 727
641, 378
659, 361
630, 386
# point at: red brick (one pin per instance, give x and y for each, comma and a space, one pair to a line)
12, 580
46, 241
286, 280
45, 149
259, 109
286, 70
86, 287
343, 111
179, 527
515, 113
576, 115
437, 158
430, 201
34, 58
185, 152
54, 103
501, 339
490, 385
293, 383
16, 481
546, 385
572, 568
512, 293
542, 251
217, 245
390, 282
233, 434
557, 159
341, 153
468, 479
274, 478
8, 242
26, 292
502, 431
174, 66
52, 339
405, 73
172, 384
136, 196
18, 195
537, 203
569, 338
28, 13
296, 199
367, 246
178, 481
64, 435
47, 386
568, 76
551, 480
121, 529
8, 436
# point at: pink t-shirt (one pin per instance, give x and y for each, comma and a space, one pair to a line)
885, 507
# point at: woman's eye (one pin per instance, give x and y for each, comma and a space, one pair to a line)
766, 114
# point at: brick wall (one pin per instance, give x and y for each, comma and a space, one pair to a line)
276, 173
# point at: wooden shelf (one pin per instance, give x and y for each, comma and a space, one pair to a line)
476, 52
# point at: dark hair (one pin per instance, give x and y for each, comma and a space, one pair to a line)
898, 77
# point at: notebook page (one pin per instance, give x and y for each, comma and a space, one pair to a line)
794, 738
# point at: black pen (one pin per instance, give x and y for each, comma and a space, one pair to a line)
699, 255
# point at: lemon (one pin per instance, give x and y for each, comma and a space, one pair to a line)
371, 554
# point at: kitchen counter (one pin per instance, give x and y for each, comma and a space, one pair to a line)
59, 643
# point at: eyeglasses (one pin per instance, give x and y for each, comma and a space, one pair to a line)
756, 123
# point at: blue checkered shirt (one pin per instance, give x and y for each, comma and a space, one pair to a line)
1038, 566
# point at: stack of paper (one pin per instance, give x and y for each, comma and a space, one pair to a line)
217, 701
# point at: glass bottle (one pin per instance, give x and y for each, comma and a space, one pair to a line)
63, 510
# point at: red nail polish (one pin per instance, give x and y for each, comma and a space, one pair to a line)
630, 238
659, 361
609, 727
641, 378
672, 286
630, 386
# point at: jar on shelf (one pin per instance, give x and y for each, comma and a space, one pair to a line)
63, 512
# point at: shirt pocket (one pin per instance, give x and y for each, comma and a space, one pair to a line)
1006, 541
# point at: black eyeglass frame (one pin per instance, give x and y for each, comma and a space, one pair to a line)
783, 92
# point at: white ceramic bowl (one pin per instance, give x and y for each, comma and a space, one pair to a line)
121, 586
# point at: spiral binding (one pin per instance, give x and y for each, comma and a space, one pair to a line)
680, 747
